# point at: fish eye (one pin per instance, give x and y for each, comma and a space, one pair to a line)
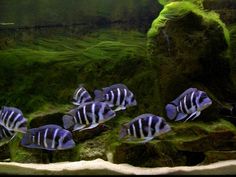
66, 139
24, 124
132, 99
162, 124
203, 96
107, 109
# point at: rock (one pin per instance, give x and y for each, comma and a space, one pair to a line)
226, 9
187, 144
4, 152
187, 46
153, 154
216, 156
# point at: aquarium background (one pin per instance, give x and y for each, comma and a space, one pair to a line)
47, 48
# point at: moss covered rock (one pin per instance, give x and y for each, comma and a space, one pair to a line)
188, 47
187, 144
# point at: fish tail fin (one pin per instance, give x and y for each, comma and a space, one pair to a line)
26, 140
99, 96
68, 121
171, 111
123, 131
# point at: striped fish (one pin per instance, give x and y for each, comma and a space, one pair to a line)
6, 135
188, 105
87, 116
81, 96
49, 137
12, 118
144, 128
117, 95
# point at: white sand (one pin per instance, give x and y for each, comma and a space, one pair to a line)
101, 167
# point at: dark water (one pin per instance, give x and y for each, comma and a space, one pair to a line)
48, 48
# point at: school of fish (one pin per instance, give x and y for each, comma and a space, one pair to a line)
88, 113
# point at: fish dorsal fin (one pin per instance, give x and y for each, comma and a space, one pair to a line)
16, 110
32, 130
114, 86
142, 116
85, 103
190, 90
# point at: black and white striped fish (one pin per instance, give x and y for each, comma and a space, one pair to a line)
87, 116
116, 95
80, 96
49, 137
6, 135
188, 105
13, 119
144, 128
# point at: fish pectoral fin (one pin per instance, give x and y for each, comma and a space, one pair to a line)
12, 137
193, 115
120, 108
91, 126
142, 140
180, 116
147, 139
89, 114
110, 104
146, 128
78, 127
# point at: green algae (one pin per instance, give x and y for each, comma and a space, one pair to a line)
97, 60
176, 10
47, 72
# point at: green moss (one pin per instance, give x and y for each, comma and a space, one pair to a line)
48, 71
197, 2
176, 10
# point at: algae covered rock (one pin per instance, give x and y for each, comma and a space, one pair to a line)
188, 144
188, 47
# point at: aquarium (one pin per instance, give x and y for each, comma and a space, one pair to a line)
117, 86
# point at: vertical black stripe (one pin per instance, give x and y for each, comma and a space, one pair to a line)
59, 134
194, 98
18, 119
42, 138
79, 93
67, 138
12, 119
122, 95
162, 124
88, 109
36, 137
97, 109
183, 106
188, 100
6, 115
50, 136
155, 120
145, 126
115, 96
109, 96
136, 125
131, 130
82, 115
